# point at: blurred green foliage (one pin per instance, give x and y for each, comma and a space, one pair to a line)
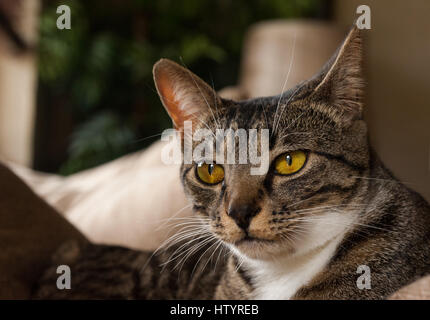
100, 70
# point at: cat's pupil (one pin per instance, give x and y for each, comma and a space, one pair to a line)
210, 169
289, 159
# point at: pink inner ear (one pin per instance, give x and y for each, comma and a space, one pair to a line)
167, 94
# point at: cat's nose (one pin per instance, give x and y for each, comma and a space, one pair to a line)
242, 214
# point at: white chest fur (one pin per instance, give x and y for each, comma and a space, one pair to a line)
282, 278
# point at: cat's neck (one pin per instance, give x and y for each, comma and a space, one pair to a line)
281, 278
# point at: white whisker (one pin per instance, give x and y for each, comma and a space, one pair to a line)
286, 79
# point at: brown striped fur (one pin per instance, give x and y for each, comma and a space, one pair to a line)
390, 232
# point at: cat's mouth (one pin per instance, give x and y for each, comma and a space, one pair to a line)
252, 240
257, 248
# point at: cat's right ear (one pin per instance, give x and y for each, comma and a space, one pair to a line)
185, 96
341, 82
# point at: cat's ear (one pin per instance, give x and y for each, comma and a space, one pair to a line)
185, 96
341, 83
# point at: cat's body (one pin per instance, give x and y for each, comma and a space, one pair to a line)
325, 208
394, 255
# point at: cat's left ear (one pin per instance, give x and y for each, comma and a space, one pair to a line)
185, 96
341, 83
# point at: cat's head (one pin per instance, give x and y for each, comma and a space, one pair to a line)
317, 147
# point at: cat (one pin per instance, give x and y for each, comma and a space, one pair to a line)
326, 208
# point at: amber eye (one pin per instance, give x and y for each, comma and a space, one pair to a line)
290, 162
210, 173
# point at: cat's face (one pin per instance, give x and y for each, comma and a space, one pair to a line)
317, 148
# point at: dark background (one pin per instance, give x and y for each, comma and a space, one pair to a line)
96, 100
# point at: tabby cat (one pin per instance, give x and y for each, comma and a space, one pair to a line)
326, 207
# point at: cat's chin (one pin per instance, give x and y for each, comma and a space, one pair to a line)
262, 249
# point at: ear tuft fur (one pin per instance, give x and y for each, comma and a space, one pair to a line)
342, 83
184, 95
